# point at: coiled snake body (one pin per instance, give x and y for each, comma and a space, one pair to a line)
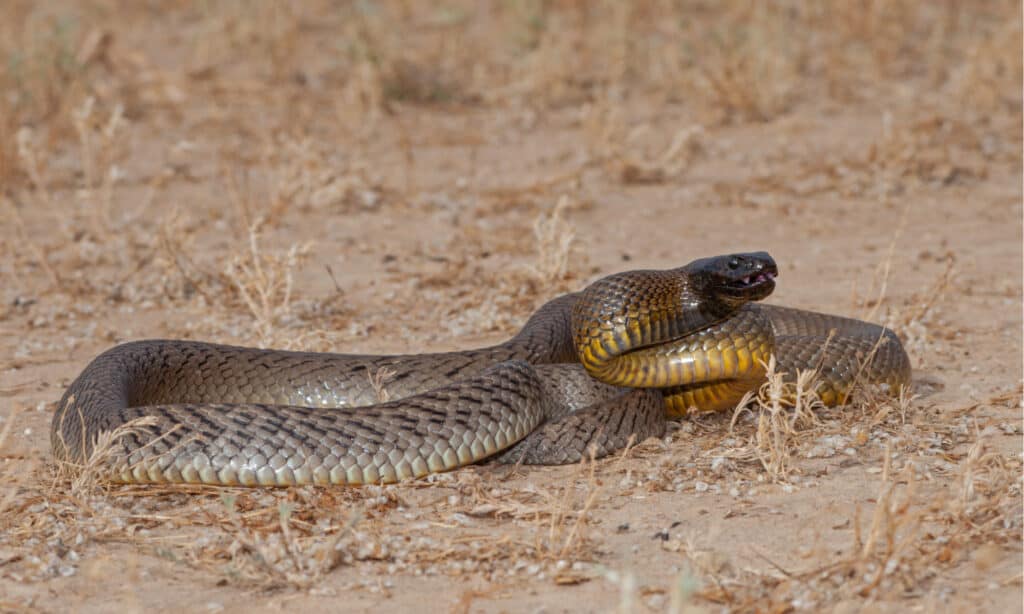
659, 342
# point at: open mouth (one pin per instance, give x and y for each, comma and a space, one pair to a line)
739, 278
752, 281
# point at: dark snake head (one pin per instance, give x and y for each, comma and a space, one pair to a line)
734, 279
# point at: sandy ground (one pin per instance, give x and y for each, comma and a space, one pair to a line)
392, 178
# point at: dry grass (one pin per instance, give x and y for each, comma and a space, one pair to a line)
783, 408
97, 469
458, 165
277, 539
554, 243
912, 536
98, 138
546, 54
265, 283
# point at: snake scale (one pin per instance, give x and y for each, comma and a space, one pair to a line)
589, 370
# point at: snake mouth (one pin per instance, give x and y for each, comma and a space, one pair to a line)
736, 278
755, 281
748, 277
753, 287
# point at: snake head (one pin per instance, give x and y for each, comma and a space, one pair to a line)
736, 279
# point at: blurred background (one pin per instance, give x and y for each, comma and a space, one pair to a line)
168, 150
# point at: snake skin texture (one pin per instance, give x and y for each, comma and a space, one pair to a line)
588, 372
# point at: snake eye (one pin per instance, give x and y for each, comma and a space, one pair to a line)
734, 263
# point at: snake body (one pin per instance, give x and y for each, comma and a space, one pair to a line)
588, 371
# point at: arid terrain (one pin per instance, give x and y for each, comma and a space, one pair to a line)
401, 176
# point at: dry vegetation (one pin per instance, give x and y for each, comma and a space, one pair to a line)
401, 176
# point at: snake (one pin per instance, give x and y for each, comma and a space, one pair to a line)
589, 373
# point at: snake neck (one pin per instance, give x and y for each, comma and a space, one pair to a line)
546, 338
625, 312
653, 313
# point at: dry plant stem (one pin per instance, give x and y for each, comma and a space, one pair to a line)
626, 452
284, 514
28, 154
172, 243
97, 161
780, 408
106, 453
895, 522
743, 406
981, 470
265, 283
932, 295
379, 379
251, 545
881, 507
238, 192
773, 429
554, 242
23, 236
588, 504
864, 364
887, 264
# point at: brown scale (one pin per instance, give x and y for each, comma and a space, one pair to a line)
659, 341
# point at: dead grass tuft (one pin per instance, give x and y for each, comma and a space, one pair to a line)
264, 283
488, 279
307, 175
554, 243
567, 537
103, 462
741, 82
101, 146
904, 547
783, 409
43, 72
269, 550
986, 486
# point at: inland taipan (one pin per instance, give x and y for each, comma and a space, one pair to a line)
588, 371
